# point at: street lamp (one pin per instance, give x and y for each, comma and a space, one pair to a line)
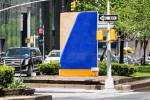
29, 25
109, 83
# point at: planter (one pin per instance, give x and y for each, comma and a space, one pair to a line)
9, 92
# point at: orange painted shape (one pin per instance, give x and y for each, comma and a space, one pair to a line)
77, 72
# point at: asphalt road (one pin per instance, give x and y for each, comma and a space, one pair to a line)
81, 94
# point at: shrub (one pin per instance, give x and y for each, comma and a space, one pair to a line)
123, 69
102, 68
17, 84
117, 69
51, 68
6, 75
144, 69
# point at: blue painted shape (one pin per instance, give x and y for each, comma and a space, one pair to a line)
80, 51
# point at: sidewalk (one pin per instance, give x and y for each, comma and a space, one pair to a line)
57, 78
121, 82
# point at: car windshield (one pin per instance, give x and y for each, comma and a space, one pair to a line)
54, 54
18, 52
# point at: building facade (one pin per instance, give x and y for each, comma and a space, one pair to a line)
13, 29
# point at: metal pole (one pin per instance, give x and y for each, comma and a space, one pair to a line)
43, 43
29, 26
63, 6
97, 40
40, 18
96, 1
34, 38
109, 83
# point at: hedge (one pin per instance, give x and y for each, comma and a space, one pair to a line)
144, 69
6, 75
51, 68
118, 69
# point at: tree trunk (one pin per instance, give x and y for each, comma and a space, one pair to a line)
121, 60
144, 49
121, 52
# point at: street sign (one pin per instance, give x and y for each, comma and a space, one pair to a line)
108, 17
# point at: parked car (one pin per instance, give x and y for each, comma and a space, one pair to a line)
24, 59
53, 56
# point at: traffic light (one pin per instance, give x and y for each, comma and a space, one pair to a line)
74, 5
99, 35
112, 35
29, 40
102, 35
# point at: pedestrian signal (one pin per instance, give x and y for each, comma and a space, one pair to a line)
112, 35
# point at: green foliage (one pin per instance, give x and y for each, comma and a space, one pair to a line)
133, 14
88, 5
6, 75
140, 74
17, 84
51, 68
123, 69
118, 69
144, 69
102, 68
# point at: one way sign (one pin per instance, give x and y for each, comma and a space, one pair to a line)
108, 17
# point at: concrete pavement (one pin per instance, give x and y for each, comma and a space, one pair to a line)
121, 82
83, 94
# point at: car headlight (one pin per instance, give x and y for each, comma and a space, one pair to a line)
26, 61
46, 61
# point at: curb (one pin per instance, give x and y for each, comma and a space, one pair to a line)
36, 97
133, 87
86, 82
131, 83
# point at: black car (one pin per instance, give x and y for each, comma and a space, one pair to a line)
24, 59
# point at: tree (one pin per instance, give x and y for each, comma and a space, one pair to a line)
133, 15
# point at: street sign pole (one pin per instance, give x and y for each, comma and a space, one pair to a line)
109, 83
43, 42
29, 26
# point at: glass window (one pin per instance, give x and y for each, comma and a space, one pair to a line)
17, 52
54, 54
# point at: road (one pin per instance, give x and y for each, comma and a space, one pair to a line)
81, 94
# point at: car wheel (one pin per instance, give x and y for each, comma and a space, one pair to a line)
30, 70
38, 73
